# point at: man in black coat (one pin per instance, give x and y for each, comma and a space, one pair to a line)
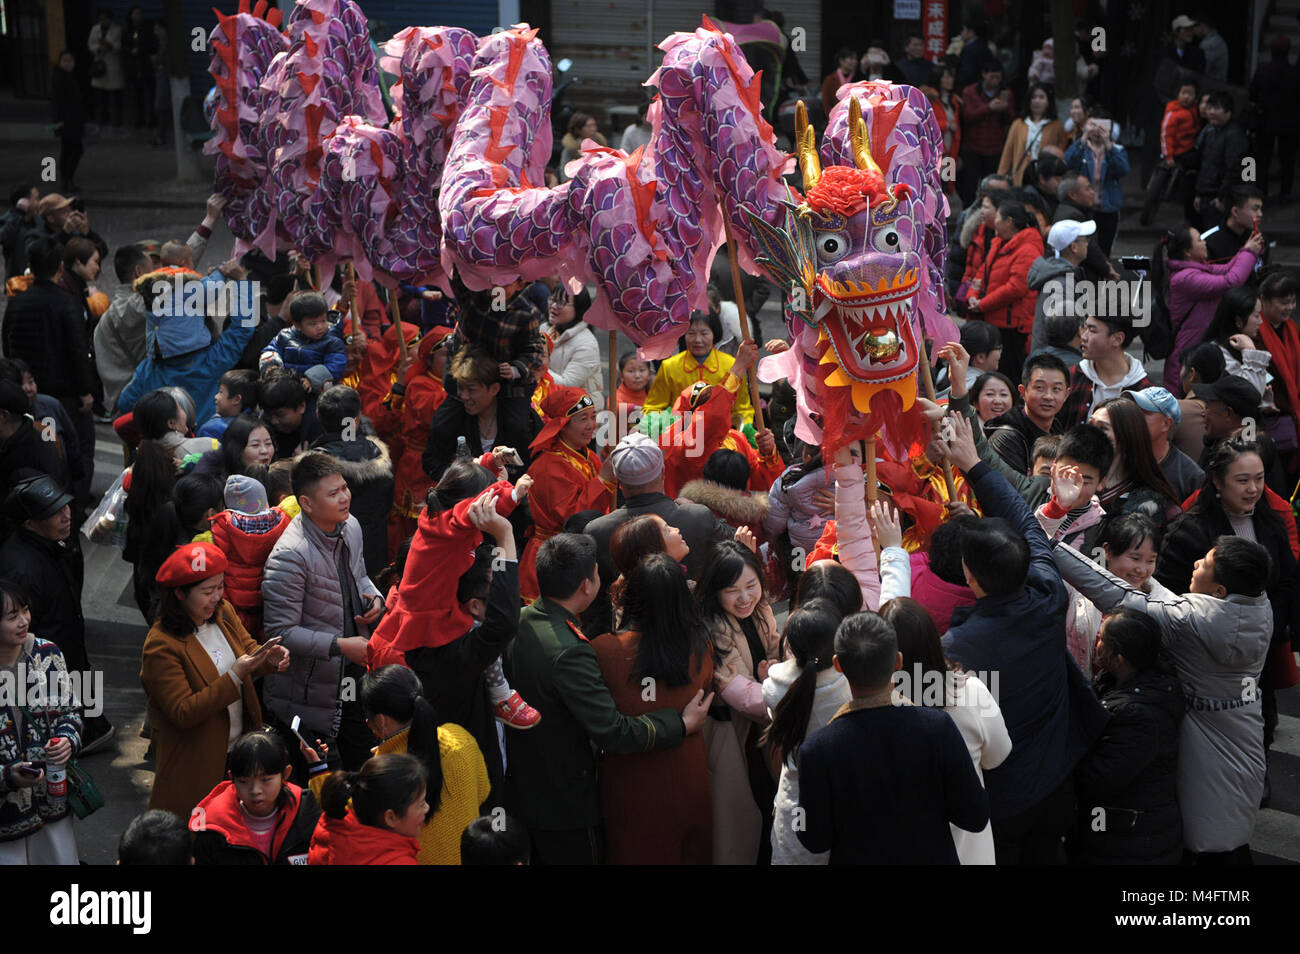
1222, 151
45, 327
23, 444
481, 415
43, 557
638, 464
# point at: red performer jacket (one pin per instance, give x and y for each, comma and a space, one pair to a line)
565, 482
426, 612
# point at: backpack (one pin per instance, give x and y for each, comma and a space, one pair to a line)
1158, 336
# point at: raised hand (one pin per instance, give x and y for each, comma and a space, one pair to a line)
1067, 485
887, 528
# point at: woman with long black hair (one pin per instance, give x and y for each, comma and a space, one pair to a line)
802, 693
746, 642
405, 723
1135, 483
656, 804
927, 679
1235, 330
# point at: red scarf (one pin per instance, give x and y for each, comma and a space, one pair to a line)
1285, 350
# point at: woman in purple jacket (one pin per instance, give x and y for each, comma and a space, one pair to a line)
1192, 287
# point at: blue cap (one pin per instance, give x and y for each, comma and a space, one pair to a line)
1158, 400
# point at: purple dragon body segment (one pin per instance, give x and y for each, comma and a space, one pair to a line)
308, 157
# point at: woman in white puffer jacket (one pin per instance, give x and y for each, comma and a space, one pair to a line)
575, 362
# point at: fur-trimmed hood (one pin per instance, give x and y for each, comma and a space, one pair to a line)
361, 460
734, 506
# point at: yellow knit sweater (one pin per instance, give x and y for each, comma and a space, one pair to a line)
465, 787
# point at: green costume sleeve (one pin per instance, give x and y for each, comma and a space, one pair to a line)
577, 679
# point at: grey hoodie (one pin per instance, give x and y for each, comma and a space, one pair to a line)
1042, 271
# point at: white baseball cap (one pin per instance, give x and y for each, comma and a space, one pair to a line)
1183, 22
1066, 231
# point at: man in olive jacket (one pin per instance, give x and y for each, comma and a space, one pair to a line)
551, 768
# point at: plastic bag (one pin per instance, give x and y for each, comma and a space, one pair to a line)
107, 522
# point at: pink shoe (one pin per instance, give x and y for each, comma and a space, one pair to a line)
516, 713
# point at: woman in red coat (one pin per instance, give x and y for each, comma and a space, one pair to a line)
657, 805
567, 476
1004, 299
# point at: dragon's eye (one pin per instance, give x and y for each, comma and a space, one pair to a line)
832, 246
889, 240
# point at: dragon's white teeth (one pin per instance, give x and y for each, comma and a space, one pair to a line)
824, 308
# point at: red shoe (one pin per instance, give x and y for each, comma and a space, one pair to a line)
516, 713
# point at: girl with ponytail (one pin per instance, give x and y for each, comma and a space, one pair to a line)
803, 692
405, 723
372, 817
927, 679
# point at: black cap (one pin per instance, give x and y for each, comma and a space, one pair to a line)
1236, 392
36, 499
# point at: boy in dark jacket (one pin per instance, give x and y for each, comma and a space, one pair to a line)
1017, 629
257, 816
366, 467
1128, 781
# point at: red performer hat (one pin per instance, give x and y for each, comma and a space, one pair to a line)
191, 563
434, 339
559, 405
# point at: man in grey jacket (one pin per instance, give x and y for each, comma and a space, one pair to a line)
119, 336
318, 599
1217, 637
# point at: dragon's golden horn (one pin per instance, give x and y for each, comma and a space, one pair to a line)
806, 147
860, 140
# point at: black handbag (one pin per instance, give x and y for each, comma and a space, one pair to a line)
98, 68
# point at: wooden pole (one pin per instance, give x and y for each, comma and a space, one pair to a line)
872, 485
352, 299
613, 372
927, 377
315, 278
750, 377
396, 312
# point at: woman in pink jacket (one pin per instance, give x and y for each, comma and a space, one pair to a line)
1193, 288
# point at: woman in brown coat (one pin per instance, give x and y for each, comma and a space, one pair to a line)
745, 641
198, 669
656, 804
1037, 128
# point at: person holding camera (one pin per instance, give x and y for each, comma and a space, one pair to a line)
1105, 163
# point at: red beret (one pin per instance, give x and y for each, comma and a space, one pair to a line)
191, 563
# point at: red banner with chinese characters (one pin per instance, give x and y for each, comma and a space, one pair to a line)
934, 27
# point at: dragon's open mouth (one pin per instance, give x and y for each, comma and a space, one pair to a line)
870, 329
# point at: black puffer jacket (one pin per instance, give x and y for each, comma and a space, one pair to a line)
369, 472
52, 573
1127, 783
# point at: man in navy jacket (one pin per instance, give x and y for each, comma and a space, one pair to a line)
880, 784
1016, 630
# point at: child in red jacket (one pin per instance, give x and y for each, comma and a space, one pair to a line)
372, 817
257, 816
246, 532
1178, 129
426, 613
